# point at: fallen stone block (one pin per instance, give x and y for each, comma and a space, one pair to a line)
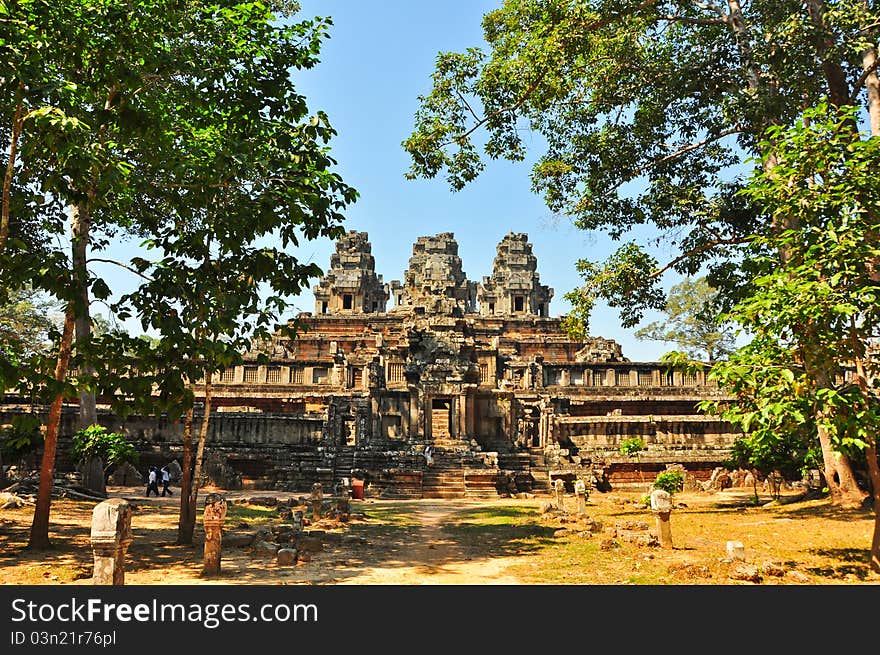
286, 557
746, 572
773, 569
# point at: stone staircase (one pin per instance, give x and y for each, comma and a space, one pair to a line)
446, 478
540, 471
344, 463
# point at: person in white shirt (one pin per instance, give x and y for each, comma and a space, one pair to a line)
166, 480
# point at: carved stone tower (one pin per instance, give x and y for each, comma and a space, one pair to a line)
351, 285
434, 283
514, 287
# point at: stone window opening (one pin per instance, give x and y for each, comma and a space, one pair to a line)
319, 375
323, 306
347, 301
518, 303
541, 309
491, 307
250, 374
273, 374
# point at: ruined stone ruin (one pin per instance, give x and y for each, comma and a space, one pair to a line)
481, 371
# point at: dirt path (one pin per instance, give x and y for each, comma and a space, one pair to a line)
414, 550
428, 556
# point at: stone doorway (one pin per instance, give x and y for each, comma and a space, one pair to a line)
441, 417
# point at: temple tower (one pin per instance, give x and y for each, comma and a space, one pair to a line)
351, 285
514, 287
435, 283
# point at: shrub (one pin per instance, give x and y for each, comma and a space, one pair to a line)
671, 481
96, 441
21, 438
632, 447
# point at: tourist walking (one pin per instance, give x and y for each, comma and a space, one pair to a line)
152, 481
429, 455
166, 480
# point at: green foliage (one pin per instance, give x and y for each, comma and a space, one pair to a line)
26, 319
624, 152
671, 481
184, 128
818, 310
22, 437
95, 441
632, 447
692, 324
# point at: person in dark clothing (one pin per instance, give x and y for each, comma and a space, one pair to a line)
166, 480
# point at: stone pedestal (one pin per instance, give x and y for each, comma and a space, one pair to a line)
316, 500
215, 514
580, 490
661, 506
111, 536
559, 488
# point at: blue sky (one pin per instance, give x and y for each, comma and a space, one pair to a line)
377, 62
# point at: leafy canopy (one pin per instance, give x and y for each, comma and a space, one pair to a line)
96, 441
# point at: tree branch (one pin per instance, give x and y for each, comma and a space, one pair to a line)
698, 250
862, 79
595, 25
121, 265
693, 21
692, 146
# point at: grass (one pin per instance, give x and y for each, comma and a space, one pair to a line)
251, 514
826, 545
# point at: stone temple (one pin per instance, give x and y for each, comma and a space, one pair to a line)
481, 370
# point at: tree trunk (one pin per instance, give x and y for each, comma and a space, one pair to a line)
200, 451
187, 521
93, 476
872, 84
39, 538
88, 413
15, 133
839, 477
870, 447
874, 470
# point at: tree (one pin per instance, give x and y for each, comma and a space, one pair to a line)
583, 74
692, 321
827, 289
26, 319
633, 448
96, 450
151, 117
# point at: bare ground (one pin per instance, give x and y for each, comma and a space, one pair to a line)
460, 542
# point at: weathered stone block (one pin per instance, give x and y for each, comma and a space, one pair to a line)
286, 557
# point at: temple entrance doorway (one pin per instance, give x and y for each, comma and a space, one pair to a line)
441, 417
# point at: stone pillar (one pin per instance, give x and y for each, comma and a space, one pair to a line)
661, 506
559, 488
580, 490
461, 407
215, 513
316, 500
111, 535
298, 521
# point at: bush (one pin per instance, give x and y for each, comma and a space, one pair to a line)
21, 438
671, 481
632, 447
96, 441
